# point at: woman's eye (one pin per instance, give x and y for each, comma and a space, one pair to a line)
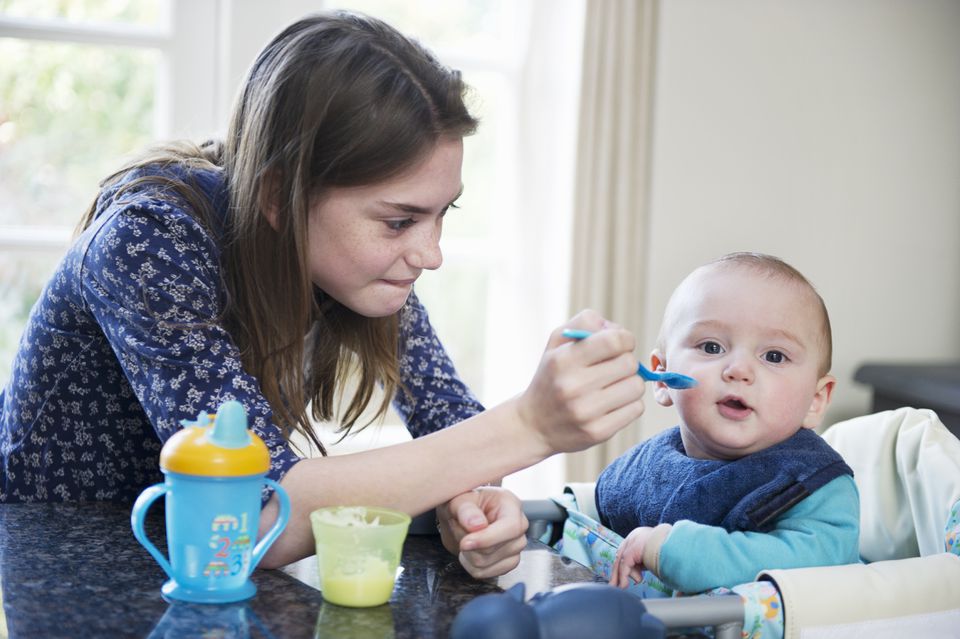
775, 357
452, 205
399, 225
711, 348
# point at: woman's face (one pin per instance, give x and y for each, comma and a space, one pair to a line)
368, 245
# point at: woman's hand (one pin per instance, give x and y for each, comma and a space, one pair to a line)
583, 391
486, 528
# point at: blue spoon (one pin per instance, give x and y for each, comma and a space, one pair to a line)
673, 380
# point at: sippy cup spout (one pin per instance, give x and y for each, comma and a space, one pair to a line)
230, 426
216, 446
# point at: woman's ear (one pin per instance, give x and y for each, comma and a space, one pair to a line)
269, 199
660, 391
818, 407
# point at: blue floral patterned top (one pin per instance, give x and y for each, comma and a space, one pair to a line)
98, 384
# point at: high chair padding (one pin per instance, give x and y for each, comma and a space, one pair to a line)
584, 494
917, 598
907, 468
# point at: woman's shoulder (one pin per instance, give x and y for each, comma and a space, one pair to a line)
174, 206
167, 189
145, 242
148, 252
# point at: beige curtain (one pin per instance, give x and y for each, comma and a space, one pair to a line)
610, 208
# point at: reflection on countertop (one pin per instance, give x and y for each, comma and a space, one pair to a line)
75, 569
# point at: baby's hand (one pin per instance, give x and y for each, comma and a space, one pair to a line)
629, 562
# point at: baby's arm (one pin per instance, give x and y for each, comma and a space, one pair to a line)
821, 530
641, 549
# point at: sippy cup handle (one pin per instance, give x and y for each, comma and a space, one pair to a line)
137, 515
151, 494
282, 517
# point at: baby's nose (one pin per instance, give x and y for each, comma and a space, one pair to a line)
738, 370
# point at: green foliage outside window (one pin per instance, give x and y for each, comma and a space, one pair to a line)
138, 12
69, 114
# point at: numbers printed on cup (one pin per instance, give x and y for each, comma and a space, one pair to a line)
230, 542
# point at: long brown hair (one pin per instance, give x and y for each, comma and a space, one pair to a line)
335, 100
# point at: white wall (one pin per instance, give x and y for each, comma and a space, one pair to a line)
246, 27
826, 132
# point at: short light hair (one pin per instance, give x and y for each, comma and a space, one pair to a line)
776, 268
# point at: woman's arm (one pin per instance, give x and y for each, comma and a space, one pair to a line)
582, 393
179, 361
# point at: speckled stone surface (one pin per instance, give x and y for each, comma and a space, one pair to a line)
76, 570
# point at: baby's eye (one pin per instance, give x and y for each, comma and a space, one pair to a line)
711, 348
775, 357
399, 225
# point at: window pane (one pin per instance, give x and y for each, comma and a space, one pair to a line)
469, 26
68, 115
138, 12
22, 276
455, 297
482, 200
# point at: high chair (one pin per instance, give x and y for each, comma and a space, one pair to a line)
907, 469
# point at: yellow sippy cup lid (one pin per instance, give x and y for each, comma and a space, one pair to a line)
216, 446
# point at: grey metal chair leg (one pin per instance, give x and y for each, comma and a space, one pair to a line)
724, 613
728, 630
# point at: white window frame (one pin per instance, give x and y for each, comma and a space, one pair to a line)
188, 93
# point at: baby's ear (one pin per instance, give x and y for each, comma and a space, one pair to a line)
818, 407
660, 391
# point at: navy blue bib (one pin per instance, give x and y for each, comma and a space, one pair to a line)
656, 482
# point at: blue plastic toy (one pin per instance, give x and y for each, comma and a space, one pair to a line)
577, 611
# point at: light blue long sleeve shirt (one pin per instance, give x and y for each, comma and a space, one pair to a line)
822, 530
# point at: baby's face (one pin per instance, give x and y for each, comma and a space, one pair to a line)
753, 344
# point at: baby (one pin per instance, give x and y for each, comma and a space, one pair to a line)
743, 483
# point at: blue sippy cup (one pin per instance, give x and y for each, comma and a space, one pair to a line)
214, 474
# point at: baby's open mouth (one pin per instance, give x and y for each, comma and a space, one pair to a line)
732, 407
734, 403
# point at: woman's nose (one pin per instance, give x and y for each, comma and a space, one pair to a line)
425, 252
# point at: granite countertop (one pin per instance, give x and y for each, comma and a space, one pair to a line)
76, 570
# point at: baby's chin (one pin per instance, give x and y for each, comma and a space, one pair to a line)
699, 446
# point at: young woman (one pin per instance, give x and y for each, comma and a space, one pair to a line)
274, 268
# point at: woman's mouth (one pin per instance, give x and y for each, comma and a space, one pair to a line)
734, 408
401, 283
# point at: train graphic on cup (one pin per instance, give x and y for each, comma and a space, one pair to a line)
214, 473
